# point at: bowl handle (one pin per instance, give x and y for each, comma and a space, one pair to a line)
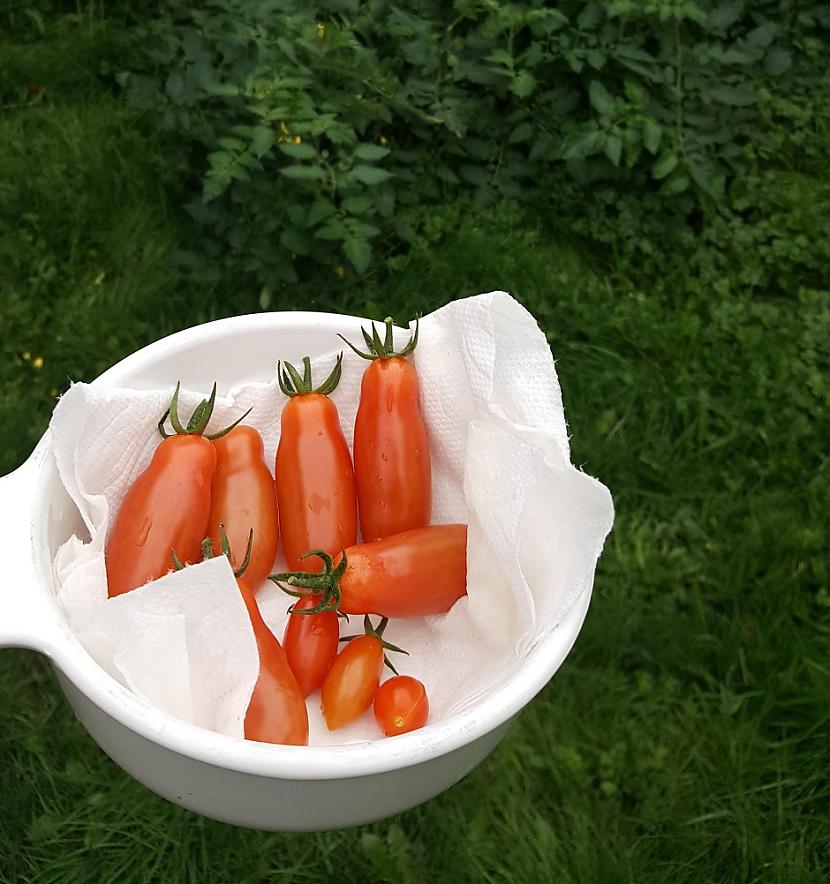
29, 616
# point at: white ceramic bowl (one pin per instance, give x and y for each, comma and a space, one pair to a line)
285, 788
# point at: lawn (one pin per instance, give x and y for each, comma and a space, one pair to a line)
685, 738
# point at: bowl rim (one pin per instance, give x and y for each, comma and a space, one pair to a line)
359, 759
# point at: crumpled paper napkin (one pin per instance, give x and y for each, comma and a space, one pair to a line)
500, 462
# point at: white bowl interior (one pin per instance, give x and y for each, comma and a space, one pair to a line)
233, 351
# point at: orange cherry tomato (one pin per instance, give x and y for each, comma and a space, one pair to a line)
310, 643
413, 574
352, 681
277, 711
313, 470
391, 448
243, 499
401, 705
167, 507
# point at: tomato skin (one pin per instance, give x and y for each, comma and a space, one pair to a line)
310, 643
413, 574
391, 451
352, 681
401, 705
277, 711
166, 509
243, 498
315, 481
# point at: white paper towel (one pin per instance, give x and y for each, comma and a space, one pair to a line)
500, 461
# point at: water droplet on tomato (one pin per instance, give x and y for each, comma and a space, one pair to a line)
317, 503
143, 531
390, 400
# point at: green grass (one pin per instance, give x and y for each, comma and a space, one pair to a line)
685, 737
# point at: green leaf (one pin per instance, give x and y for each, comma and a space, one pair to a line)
590, 16
523, 85
725, 15
174, 87
230, 143
262, 140
706, 176
522, 132
734, 96
652, 135
359, 252
225, 90
676, 184
613, 149
596, 58
300, 151
371, 152
334, 229
295, 241
366, 231
502, 57
601, 99
320, 210
635, 92
762, 36
303, 173
357, 205
543, 147
582, 144
370, 175
777, 61
212, 187
664, 166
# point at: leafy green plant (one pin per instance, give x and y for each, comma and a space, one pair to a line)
324, 134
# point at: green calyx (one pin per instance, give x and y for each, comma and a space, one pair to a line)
198, 420
383, 349
377, 632
292, 383
207, 551
326, 583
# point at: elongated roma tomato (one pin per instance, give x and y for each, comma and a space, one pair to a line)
401, 705
412, 574
167, 507
391, 448
243, 500
277, 711
310, 643
313, 470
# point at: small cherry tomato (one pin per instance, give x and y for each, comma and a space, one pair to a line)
353, 679
310, 642
243, 500
391, 448
313, 471
413, 574
401, 705
167, 507
277, 711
